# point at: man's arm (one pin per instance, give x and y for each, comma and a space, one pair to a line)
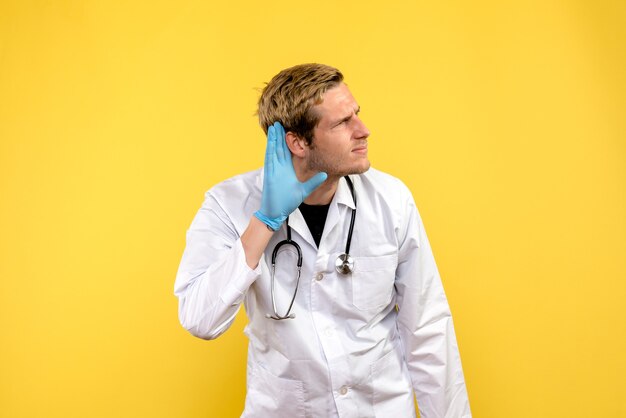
425, 325
254, 240
216, 270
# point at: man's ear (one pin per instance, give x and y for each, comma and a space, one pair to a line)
297, 144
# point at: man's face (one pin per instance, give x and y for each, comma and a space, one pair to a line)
339, 145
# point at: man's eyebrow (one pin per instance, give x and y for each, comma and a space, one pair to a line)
347, 118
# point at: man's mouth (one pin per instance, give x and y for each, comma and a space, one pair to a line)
360, 150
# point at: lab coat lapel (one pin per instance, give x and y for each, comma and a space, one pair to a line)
341, 204
298, 224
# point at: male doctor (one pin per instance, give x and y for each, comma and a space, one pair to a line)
359, 342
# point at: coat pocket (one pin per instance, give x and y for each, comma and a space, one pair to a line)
372, 281
391, 386
272, 396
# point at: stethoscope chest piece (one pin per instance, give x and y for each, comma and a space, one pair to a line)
344, 264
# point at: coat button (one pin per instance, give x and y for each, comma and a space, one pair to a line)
319, 276
343, 390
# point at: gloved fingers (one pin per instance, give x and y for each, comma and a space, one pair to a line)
270, 151
282, 152
313, 183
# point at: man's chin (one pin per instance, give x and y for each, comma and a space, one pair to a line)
362, 169
338, 172
356, 170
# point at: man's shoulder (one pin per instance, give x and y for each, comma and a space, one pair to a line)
236, 198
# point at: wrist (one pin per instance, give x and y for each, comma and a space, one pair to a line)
254, 241
273, 224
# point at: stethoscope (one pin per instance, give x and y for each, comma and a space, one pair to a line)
344, 263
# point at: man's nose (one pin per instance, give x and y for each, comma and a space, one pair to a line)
361, 130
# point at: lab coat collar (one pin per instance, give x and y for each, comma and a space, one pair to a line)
298, 224
343, 195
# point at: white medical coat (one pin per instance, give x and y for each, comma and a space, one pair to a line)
360, 344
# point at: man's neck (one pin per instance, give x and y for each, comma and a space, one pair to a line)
324, 194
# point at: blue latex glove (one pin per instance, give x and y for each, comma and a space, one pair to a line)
282, 191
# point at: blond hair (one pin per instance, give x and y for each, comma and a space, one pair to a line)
290, 96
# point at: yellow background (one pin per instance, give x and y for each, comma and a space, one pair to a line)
506, 120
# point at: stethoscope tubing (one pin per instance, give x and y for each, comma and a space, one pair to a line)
288, 241
344, 263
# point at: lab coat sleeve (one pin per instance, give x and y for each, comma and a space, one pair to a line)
213, 275
425, 325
